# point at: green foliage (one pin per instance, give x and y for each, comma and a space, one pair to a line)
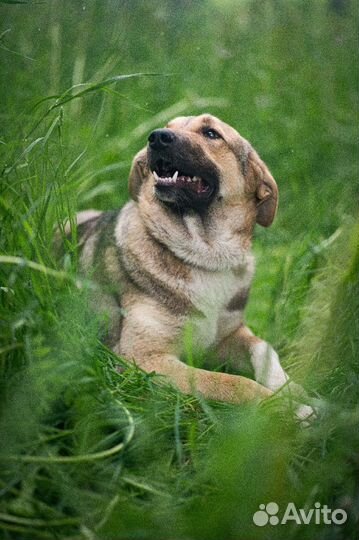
93, 452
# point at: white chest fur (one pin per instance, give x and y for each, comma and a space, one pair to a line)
211, 293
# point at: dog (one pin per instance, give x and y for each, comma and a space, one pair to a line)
178, 256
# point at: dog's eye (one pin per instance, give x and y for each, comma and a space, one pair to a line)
211, 133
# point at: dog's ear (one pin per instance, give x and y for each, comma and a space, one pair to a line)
138, 172
266, 190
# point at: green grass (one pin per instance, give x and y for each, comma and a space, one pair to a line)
88, 452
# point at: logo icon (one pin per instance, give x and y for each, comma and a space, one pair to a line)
267, 513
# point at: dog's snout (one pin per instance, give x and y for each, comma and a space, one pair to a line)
161, 138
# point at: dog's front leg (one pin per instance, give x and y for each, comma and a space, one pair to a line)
148, 338
266, 365
265, 361
211, 385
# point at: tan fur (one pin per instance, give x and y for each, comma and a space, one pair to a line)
179, 270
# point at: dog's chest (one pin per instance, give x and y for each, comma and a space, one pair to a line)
211, 293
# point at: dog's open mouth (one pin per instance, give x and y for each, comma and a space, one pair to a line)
181, 184
178, 180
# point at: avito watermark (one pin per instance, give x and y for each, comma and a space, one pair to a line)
267, 514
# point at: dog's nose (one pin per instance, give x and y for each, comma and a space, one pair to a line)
161, 138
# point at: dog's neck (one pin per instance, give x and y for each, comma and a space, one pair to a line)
216, 241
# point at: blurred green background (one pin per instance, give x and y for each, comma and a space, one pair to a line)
284, 73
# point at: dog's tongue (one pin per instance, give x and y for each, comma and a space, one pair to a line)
195, 183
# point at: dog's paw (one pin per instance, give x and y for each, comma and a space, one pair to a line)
296, 394
305, 414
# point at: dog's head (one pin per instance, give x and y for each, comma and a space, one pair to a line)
196, 162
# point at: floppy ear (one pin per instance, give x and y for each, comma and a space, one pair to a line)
138, 173
266, 190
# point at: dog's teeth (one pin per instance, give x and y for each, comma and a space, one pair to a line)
174, 177
155, 175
